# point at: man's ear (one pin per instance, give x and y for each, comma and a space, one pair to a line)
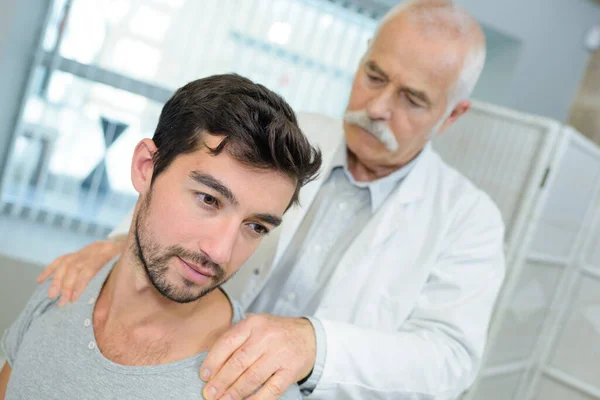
459, 110
142, 166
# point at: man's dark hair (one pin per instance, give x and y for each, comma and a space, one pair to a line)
259, 128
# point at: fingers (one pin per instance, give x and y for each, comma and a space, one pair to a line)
57, 279
72, 272
274, 387
234, 369
261, 349
69, 279
64, 277
258, 374
220, 353
49, 270
83, 279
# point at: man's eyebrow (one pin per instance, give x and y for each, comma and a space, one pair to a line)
269, 219
375, 68
215, 184
418, 94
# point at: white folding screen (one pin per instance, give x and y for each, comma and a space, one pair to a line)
567, 364
545, 179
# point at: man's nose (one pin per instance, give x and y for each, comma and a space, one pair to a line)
380, 107
220, 242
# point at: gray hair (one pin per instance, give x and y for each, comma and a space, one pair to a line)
443, 17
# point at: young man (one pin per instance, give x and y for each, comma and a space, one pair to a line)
225, 163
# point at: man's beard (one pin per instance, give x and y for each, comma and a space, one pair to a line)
156, 262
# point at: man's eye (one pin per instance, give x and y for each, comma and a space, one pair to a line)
374, 78
259, 229
208, 200
413, 102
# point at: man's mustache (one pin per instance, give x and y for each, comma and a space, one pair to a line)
376, 128
196, 258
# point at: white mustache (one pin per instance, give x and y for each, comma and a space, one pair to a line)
376, 128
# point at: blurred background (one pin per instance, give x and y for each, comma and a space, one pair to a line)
82, 81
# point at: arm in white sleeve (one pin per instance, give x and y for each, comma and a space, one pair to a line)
437, 352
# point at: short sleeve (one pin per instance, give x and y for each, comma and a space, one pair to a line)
13, 336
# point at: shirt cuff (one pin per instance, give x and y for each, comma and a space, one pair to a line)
309, 384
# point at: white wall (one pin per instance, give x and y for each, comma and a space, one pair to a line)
495, 83
553, 60
20, 26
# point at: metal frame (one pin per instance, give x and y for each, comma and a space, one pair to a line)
96, 74
567, 380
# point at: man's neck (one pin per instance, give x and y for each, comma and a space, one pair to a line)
131, 308
128, 290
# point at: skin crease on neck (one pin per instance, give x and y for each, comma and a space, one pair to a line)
133, 322
404, 80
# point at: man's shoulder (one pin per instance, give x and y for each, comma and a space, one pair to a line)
39, 300
37, 304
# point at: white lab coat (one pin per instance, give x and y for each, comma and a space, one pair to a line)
407, 309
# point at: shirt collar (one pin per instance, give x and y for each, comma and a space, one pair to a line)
379, 189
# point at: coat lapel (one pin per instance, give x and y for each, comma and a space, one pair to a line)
412, 189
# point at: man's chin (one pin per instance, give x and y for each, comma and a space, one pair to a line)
180, 290
184, 296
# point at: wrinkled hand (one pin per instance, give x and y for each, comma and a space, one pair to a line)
72, 272
262, 350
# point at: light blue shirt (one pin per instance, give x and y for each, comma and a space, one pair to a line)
341, 209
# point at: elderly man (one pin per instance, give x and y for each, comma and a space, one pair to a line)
382, 285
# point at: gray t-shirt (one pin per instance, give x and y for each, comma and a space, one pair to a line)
53, 355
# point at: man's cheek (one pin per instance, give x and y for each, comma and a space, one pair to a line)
173, 213
241, 254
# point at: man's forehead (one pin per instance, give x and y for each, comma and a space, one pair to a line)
428, 65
